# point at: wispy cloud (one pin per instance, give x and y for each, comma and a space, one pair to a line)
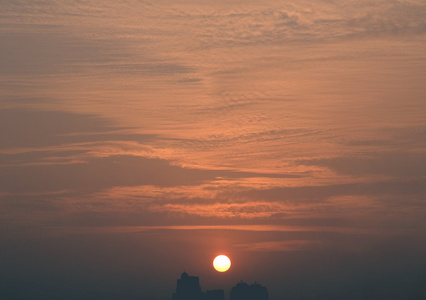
391, 164
279, 246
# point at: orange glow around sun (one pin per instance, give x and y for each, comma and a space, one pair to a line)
222, 263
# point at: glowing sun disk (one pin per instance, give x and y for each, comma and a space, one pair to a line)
222, 263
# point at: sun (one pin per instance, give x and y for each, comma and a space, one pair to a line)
222, 263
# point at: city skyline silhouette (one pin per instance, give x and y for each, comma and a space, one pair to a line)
188, 288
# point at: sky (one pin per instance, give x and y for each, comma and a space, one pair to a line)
139, 139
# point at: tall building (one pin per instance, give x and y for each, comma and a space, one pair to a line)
188, 288
243, 291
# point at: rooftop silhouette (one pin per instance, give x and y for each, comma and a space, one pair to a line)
188, 288
243, 291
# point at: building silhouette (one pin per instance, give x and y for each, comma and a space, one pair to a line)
188, 288
243, 291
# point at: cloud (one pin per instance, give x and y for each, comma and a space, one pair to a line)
98, 173
26, 128
279, 246
50, 51
246, 210
342, 207
393, 164
54, 151
320, 193
152, 69
225, 25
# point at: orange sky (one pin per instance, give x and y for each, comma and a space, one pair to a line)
307, 118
